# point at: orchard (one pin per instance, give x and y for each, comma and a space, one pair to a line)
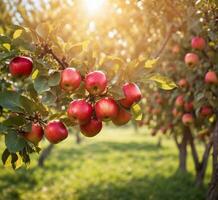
127, 78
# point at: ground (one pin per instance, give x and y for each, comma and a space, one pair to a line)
119, 164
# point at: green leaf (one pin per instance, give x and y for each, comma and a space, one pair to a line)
150, 63
28, 105
7, 46
10, 100
14, 143
163, 82
41, 84
14, 121
5, 156
54, 79
48, 98
35, 74
17, 33
137, 112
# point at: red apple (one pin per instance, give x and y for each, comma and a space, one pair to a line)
70, 79
188, 106
206, 111
92, 128
175, 48
211, 77
56, 131
132, 94
179, 101
176, 113
106, 109
183, 83
187, 119
191, 59
198, 43
95, 82
21, 66
80, 111
35, 135
122, 117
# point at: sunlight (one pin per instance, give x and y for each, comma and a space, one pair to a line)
93, 5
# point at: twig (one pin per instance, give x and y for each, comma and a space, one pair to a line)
167, 38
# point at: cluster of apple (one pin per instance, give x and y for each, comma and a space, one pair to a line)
100, 107
88, 113
184, 109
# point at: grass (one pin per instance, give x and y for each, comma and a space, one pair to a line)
119, 164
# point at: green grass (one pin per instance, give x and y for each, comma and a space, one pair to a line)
117, 164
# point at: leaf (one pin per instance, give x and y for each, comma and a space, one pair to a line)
14, 121
41, 84
150, 63
14, 143
43, 30
7, 46
17, 33
54, 79
48, 98
10, 100
163, 82
35, 74
137, 112
75, 49
28, 105
5, 156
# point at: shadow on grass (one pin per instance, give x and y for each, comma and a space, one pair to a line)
153, 187
98, 150
179, 186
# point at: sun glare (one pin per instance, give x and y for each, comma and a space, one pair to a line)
93, 5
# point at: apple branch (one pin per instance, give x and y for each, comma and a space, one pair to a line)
164, 44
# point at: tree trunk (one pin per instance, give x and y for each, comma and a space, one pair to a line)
213, 187
45, 153
183, 153
200, 166
159, 142
78, 138
182, 147
203, 166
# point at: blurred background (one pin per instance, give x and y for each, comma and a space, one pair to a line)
121, 162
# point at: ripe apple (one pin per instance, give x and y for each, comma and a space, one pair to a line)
187, 119
35, 135
159, 100
183, 83
55, 131
175, 48
176, 113
206, 111
211, 77
92, 128
21, 66
70, 79
179, 101
132, 94
198, 43
80, 111
95, 82
188, 106
106, 109
191, 59
122, 117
